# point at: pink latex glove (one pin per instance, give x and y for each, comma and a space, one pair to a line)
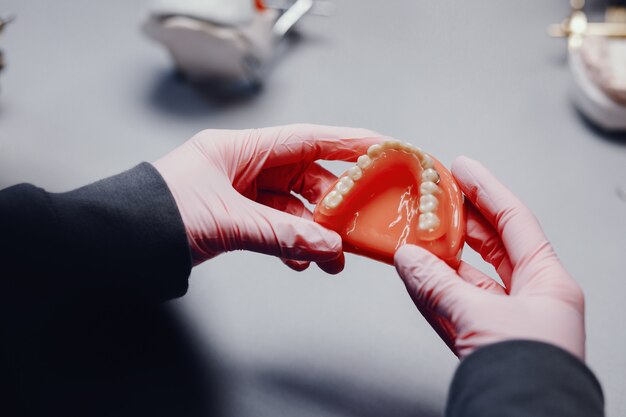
234, 190
539, 300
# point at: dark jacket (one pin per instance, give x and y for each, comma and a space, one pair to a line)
122, 238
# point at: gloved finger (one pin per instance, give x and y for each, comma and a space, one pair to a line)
310, 180
518, 228
284, 202
480, 280
432, 284
294, 143
298, 266
292, 205
266, 230
442, 327
441, 324
315, 181
333, 266
483, 238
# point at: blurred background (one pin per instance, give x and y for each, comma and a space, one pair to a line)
85, 95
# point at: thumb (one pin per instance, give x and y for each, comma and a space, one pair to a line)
274, 232
431, 283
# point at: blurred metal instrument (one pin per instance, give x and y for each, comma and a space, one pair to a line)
226, 39
291, 16
319, 7
577, 25
5, 19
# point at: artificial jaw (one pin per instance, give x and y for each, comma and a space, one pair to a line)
605, 61
395, 194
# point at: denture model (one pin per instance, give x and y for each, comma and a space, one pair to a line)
599, 88
597, 61
395, 194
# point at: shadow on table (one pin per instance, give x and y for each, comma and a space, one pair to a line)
174, 94
115, 355
97, 357
616, 138
349, 398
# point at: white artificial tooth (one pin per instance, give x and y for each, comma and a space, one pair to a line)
364, 161
333, 199
355, 173
408, 147
429, 187
431, 175
428, 203
375, 151
427, 162
394, 144
428, 221
344, 185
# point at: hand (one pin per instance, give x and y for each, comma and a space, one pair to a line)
234, 190
539, 300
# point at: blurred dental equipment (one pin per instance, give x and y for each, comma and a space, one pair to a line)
230, 40
5, 19
597, 62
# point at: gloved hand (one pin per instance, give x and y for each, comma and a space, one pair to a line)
234, 190
539, 300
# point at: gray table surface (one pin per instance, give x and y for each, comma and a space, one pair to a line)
86, 95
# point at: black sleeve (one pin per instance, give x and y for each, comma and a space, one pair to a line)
122, 233
524, 379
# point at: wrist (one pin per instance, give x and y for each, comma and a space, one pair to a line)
182, 191
502, 375
569, 341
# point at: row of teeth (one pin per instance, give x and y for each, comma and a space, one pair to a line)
428, 219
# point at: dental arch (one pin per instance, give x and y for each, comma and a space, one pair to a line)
428, 188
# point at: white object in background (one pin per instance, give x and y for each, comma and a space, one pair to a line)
221, 12
221, 39
4, 20
597, 87
597, 61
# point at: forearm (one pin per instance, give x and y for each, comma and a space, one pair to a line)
524, 378
122, 232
